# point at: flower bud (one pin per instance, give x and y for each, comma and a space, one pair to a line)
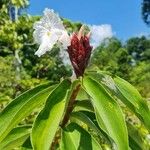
79, 52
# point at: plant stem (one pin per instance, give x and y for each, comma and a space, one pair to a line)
70, 105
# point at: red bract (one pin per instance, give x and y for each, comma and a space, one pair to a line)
79, 52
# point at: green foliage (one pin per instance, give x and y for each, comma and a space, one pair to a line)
10, 85
49, 118
138, 48
104, 112
108, 113
130, 94
20, 3
146, 11
15, 138
22, 107
113, 57
142, 77
101, 123
78, 138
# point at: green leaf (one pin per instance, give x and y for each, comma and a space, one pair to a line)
127, 94
135, 139
22, 106
15, 138
26, 145
83, 105
47, 122
82, 117
82, 95
132, 98
109, 115
76, 138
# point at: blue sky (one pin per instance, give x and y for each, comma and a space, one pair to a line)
123, 15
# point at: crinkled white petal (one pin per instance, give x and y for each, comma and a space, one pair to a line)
65, 57
39, 33
52, 19
47, 44
99, 33
65, 40
48, 31
48, 22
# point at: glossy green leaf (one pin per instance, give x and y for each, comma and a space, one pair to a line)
85, 105
135, 139
82, 95
127, 94
15, 138
26, 145
83, 118
22, 106
76, 138
108, 113
132, 96
47, 122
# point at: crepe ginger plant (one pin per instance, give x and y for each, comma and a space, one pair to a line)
84, 112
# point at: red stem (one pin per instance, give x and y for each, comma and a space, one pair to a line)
70, 106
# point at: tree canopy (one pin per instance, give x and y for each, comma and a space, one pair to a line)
146, 11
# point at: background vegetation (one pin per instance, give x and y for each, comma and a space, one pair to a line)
20, 69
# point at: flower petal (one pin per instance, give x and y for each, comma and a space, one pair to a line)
48, 22
38, 34
47, 44
52, 19
48, 31
65, 40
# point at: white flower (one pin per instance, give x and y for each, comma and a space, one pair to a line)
65, 57
65, 40
48, 31
99, 33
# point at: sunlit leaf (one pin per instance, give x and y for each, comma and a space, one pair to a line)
22, 106
83, 118
48, 120
76, 138
108, 112
135, 139
26, 145
15, 138
84, 105
132, 96
124, 91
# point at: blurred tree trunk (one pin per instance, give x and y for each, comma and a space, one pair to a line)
17, 65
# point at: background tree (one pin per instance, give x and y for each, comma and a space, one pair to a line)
113, 57
146, 11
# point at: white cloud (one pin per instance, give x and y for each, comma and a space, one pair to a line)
99, 33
